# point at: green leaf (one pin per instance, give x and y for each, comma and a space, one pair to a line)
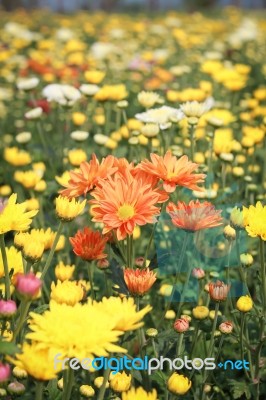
41, 309
8, 348
54, 392
239, 388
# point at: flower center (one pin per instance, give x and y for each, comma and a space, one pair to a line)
125, 212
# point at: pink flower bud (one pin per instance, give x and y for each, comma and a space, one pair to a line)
7, 308
181, 325
198, 273
103, 263
139, 262
5, 372
226, 327
27, 285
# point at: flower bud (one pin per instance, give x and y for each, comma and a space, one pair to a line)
19, 373
218, 291
170, 314
120, 382
246, 259
60, 384
103, 263
151, 332
99, 381
181, 325
244, 303
200, 312
8, 308
229, 233
5, 372
33, 251
27, 285
237, 219
16, 388
87, 391
198, 273
226, 327
178, 384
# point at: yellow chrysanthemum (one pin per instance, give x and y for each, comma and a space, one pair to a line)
67, 292
16, 157
255, 220
14, 260
64, 272
139, 394
81, 331
37, 362
125, 311
13, 217
68, 209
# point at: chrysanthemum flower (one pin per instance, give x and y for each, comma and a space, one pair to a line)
139, 394
82, 331
218, 291
67, 292
120, 382
14, 261
64, 272
173, 172
89, 244
194, 216
122, 203
139, 281
80, 183
125, 312
37, 362
68, 209
255, 220
13, 217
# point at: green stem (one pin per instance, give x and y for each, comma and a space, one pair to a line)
6, 270
103, 387
149, 245
68, 384
179, 344
39, 390
90, 273
50, 256
180, 262
263, 276
192, 142
129, 250
242, 330
24, 308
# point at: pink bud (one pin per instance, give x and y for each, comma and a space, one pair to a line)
103, 263
198, 273
5, 372
139, 261
27, 285
181, 325
226, 327
7, 308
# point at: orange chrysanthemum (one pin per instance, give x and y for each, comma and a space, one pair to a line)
173, 172
122, 202
89, 175
195, 215
139, 281
89, 244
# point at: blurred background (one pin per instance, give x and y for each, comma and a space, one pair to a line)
127, 5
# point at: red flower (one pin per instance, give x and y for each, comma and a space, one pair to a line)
89, 244
139, 281
40, 103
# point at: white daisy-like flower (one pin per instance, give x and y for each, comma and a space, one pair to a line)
65, 95
161, 116
27, 83
89, 90
196, 109
35, 113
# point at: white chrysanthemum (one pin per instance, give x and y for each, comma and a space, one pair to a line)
65, 95
196, 109
161, 116
148, 99
89, 90
35, 113
27, 83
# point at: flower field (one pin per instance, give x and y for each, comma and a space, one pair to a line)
133, 206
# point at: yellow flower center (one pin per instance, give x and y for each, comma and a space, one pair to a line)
125, 212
